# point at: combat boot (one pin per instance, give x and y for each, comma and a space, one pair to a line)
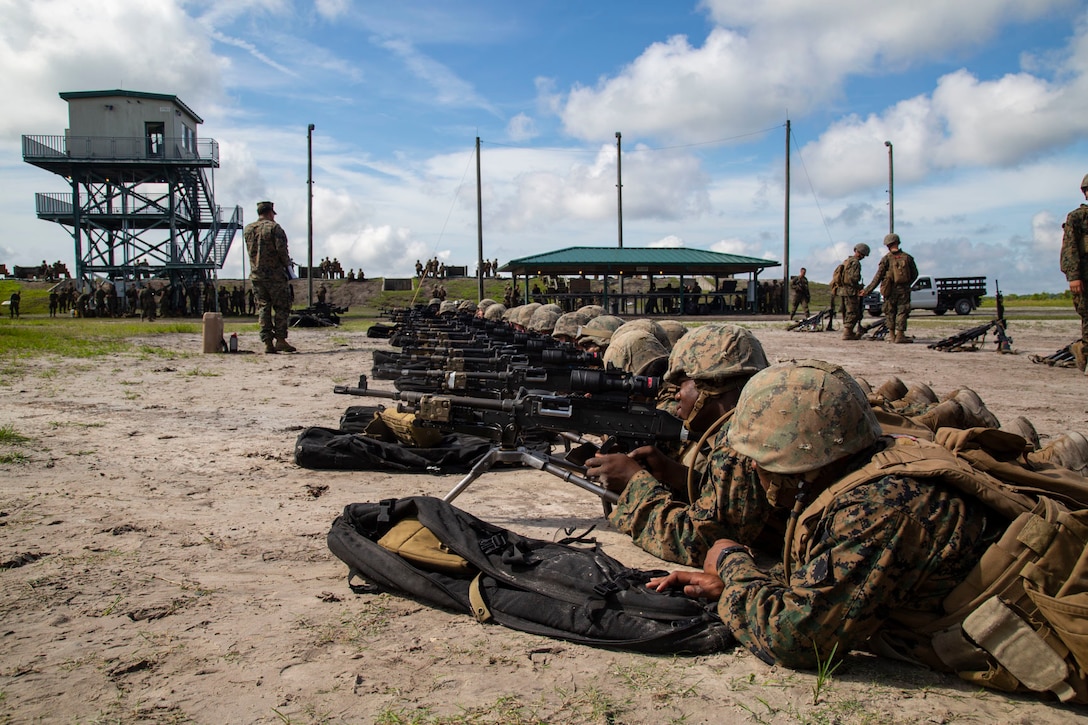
270, 347
892, 389
1068, 450
977, 414
949, 414
1077, 348
848, 334
920, 394
902, 339
1022, 427
283, 346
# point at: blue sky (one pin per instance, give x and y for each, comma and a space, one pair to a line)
986, 104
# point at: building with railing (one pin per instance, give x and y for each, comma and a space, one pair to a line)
142, 192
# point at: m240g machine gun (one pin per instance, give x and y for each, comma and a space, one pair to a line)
604, 406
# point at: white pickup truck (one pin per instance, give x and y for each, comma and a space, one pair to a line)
939, 294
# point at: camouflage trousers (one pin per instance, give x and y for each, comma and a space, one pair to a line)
801, 301
273, 308
851, 312
897, 310
1080, 304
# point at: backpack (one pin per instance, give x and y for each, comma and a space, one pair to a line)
899, 269
837, 278
1020, 620
426, 548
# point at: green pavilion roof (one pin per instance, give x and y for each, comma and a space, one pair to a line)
636, 261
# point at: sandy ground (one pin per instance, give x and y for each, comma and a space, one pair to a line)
164, 559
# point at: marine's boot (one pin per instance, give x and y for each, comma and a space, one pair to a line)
1077, 348
1068, 450
1022, 427
902, 339
283, 346
892, 389
920, 394
848, 334
949, 414
270, 347
978, 415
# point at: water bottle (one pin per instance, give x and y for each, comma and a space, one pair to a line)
233, 342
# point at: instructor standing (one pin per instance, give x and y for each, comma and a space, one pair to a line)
270, 263
895, 274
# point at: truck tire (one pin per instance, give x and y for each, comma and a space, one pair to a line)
963, 306
876, 311
940, 310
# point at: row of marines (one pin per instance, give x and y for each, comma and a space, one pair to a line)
867, 566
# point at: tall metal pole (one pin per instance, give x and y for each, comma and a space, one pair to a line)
310, 215
619, 188
786, 232
891, 190
479, 229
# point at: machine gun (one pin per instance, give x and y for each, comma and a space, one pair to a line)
1063, 358
819, 322
975, 337
878, 329
604, 407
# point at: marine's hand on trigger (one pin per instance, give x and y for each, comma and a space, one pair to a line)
613, 469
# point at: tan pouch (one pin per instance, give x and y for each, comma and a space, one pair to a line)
416, 543
402, 426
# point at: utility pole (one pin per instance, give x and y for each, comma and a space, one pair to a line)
479, 229
786, 232
891, 190
619, 188
310, 215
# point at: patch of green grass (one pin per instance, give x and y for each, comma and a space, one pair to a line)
9, 435
13, 458
75, 424
198, 373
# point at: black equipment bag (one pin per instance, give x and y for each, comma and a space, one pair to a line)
554, 589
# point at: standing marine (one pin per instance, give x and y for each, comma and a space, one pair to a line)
1074, 264
849, 289
895, 274
270, 263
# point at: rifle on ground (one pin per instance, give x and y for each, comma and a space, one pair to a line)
974, 338
1062, 358
878, 329
819, 322
603, 407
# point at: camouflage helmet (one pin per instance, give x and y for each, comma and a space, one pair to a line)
525, 313
543, 320
862, 249
891, 239
511, 313
495, 312
599, 330
591, 311
644, 325
800, 416
448, 307
567, 325
467, 306
1084, 183
485, 303
715, 356
638, 352
674, 330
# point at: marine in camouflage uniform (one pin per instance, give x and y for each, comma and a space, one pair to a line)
801, 297
1074, 265
896, 294
658, 507
270, 264
849, 291
882, 556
